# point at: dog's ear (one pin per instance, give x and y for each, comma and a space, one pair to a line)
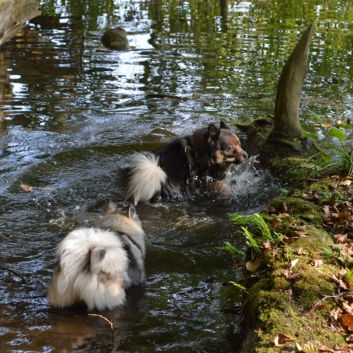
132, 212
224, 125
111, 207
213, 132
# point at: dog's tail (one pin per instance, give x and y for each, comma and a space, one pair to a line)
93, 268
146, 178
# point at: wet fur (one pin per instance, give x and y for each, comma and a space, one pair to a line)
97, 264
206, 155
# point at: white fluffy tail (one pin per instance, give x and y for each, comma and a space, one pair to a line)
146, 177
93, 268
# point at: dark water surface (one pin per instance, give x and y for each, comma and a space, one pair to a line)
71, 115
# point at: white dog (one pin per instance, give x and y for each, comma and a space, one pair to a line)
96, 265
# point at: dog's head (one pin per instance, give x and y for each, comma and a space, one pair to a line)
224, 149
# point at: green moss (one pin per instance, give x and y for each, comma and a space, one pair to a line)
293, 298
298, 208
283, 302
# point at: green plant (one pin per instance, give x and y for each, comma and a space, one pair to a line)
235, 284
345, 160
261, 232
349, 276
233, 250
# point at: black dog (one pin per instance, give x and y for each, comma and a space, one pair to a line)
207, 154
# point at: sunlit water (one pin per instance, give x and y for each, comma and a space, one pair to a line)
73, 112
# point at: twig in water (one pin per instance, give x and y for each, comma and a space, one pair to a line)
107, 320
13, 271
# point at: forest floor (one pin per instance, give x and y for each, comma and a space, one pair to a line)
298, 289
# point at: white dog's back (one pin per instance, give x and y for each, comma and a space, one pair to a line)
97, 265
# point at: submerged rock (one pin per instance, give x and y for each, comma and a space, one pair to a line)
115, 39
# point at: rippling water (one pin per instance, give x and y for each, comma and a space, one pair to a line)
72, 113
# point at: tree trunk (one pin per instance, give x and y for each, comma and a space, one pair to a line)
13, 16
287, 128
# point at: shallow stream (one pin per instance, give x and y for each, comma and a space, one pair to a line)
72, 113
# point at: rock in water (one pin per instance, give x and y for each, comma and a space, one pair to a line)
115, 39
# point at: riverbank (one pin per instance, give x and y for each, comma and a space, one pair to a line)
299, 299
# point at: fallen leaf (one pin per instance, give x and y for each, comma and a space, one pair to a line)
293, 263
342, 273
346, 254
289, 274
349, 339
298, 234
331, 202
252, 266
346, 307
342, 215
281, 339
317, 263
347, 320
285, 207
267, 245
323, 348
346, 182
291, 192
340, 238
327, 212
301, 251
288, 240
335, 312
275, 222
26, 187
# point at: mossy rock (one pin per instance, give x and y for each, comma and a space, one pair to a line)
115, 39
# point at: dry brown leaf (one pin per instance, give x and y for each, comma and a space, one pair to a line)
282, 339
346, 182
267, 245
340, 238
288, 240
275, 222
331, 202
26, 187
342, 215
347, 307
298, 234
323, 348
340, 349
327, 212
289, 274
347, 320
342, 273
317, 263
349, 339
301, 251
334, 313
291, 192
285, 207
